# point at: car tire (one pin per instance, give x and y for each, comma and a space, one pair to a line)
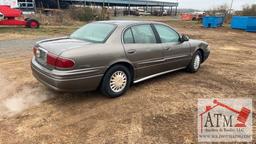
195, 63
31, 23
116, 81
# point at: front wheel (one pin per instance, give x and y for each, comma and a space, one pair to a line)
195, 62
116, 81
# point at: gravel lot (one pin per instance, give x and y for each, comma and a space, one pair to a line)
160, 110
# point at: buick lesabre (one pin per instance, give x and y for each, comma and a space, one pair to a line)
112, 55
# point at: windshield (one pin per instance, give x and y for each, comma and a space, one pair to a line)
94, 32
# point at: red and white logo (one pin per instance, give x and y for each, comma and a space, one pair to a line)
224, 120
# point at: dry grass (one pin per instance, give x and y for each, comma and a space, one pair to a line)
8, 33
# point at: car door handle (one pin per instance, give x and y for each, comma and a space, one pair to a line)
131, 51
168, 48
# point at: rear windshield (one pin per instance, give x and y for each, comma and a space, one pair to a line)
94, 32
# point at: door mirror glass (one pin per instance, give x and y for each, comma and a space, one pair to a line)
184, 38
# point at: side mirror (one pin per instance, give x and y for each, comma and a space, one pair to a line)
184, 38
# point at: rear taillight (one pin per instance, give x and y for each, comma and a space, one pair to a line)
59, 62
34, 51
64, 63
51, 59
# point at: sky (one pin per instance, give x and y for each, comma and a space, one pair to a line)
209, 4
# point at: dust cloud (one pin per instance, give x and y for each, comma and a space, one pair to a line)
17, 96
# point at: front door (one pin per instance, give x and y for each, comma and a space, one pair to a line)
177, 54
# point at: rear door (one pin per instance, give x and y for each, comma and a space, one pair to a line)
176, 53
143, 50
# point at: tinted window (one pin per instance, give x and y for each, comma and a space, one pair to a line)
22, 5
94, 32
30, 5
167, 34
128, 37
143, 34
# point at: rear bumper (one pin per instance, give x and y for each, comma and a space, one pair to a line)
66, 81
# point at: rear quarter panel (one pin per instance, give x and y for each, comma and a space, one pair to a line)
95, 56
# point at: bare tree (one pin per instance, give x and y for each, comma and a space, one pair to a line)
249, 10
220, 10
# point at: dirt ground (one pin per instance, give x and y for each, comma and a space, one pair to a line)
160, 110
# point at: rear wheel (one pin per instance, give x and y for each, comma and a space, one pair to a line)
195, 62
31, 23
116, 81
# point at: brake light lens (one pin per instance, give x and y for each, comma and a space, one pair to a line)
59, 62
51, 59
64, 63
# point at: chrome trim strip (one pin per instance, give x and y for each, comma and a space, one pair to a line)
152, 61
177, 57
155, 75
77, 71
42, 49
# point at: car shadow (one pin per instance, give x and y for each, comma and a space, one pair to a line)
76, 97
81, 97
74, 104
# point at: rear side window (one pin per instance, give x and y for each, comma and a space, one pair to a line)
128, 37
167, 35
94, 32
143, 34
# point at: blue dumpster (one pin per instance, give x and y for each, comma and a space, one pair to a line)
247, 23
213, 21
251, 25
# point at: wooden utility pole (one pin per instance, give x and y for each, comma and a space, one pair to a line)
231, 6
129, 10
58, 3
34, 3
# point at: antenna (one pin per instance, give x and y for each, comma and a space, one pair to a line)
231, 5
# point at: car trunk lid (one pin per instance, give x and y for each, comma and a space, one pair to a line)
56, 47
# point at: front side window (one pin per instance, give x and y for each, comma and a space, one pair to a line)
167, 35
143, 34
94, 32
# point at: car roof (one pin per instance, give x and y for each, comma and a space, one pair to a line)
127, 22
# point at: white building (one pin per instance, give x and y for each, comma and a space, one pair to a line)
27, 6
12, 3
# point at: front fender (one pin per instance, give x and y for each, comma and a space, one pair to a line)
197, 45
